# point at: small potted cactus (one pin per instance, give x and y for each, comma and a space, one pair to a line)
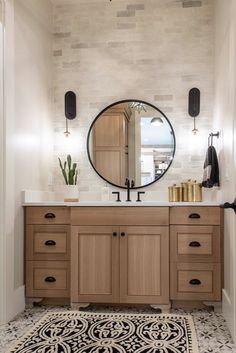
70, 175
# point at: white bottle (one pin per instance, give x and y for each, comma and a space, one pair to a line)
105, 194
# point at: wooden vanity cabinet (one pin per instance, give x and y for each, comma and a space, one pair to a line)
148, 255
196, 243
120, 263
95, 264
47, 252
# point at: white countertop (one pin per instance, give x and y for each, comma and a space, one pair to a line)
120, 204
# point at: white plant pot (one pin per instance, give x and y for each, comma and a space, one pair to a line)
71, 193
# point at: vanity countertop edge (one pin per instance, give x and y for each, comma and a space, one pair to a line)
121, 204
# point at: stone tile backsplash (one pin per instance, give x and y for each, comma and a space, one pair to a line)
153, 50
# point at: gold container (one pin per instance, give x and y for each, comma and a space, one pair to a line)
197, 192
175, 193
170, 190
190, 190
180, 193
184, 192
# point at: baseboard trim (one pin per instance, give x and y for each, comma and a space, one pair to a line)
18, 305
225, 297
227, 307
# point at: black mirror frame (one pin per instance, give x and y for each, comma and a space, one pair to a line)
97, 117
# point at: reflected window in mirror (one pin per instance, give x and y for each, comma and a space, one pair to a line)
131, 139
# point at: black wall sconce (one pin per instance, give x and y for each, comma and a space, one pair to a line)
70, 109
194, 106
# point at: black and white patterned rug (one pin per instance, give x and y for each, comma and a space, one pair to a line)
87, 332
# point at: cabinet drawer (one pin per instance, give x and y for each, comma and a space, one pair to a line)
47, 215
120, 216
191, 281
195, 243
50, 242
195, 215
48, 279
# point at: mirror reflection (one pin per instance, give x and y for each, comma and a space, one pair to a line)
131, 139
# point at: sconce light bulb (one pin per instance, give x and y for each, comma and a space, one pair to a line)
67, 134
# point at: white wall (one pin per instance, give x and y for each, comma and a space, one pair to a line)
2, 238
224, 121
150, 50
27, 126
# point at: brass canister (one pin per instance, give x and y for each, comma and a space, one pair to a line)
184, 192
190, 190
170, 190
180, 193
175, 193
197, 192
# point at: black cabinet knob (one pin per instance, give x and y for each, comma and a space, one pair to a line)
49, 215
50, 243
114, 234
194, 216
50, 279
195, 282
194, 244
122, 234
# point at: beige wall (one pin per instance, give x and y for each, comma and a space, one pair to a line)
150, 50
27, 124
224, 121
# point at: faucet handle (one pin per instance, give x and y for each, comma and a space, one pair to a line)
118, 195
132, 184
139, 193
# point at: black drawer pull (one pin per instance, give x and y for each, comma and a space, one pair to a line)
122, 234
50, 215
194, 216
114, 234
50, 242
50, 279
194, 244
195, 282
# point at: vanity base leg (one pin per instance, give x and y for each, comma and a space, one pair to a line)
216, 305
29, 302
77, 306
165, 308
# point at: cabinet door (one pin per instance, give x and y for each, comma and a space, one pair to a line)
95, 264
144, 265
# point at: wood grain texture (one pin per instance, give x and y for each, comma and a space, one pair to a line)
208, 274
120, 216
38, 271
38, 235
108, 164
208, 215
209, 238
144, 265
110, 146
36, 215
95, 264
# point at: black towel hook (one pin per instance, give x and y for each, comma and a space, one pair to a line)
211, 136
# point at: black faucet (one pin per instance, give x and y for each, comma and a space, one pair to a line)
118, 195
129, 186
138, 196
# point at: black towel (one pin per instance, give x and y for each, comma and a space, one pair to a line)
211, 169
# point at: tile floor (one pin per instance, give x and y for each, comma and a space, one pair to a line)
213, 335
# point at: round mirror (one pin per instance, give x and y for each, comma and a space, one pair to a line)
132, 140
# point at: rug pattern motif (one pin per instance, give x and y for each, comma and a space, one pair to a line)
109, 333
